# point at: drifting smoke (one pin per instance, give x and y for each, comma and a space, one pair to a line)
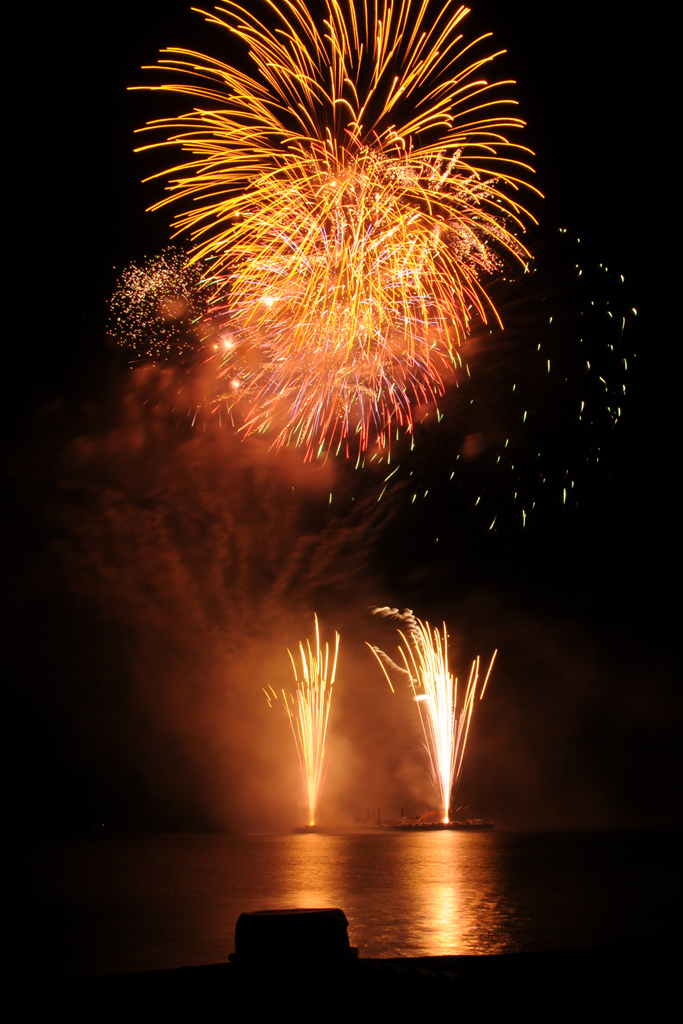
158, 573
188, 562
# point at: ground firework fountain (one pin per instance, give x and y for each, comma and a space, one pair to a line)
308, 711
446, 728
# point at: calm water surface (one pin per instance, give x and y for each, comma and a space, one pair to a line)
89, 907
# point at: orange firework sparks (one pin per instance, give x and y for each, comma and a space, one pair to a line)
309, 711
446, 728
349, 198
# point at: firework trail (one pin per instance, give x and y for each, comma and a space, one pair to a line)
348, 199
425, 659
308, 713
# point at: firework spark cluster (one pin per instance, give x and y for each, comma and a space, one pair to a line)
350, 199
159, 308
527, 430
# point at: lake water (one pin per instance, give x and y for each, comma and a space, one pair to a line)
104, 906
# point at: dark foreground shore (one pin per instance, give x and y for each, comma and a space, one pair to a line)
639, 979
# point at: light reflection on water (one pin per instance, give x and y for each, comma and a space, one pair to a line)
406, 895
132, 904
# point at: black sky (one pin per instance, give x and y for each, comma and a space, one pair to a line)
590, 85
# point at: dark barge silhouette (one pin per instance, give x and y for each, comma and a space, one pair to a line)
469, 825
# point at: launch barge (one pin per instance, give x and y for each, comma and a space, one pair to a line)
426, 823
471, 825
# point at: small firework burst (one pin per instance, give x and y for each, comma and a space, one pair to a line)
159, 308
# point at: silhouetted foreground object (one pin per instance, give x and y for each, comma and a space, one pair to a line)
292, 935
300, 962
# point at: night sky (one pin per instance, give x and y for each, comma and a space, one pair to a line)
157, 569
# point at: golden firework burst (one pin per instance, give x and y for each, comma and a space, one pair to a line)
350, 199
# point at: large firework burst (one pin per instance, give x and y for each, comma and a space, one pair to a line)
349, 199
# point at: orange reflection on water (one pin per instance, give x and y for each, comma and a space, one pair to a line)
404, 895
455, 889
127, 904
308, 871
